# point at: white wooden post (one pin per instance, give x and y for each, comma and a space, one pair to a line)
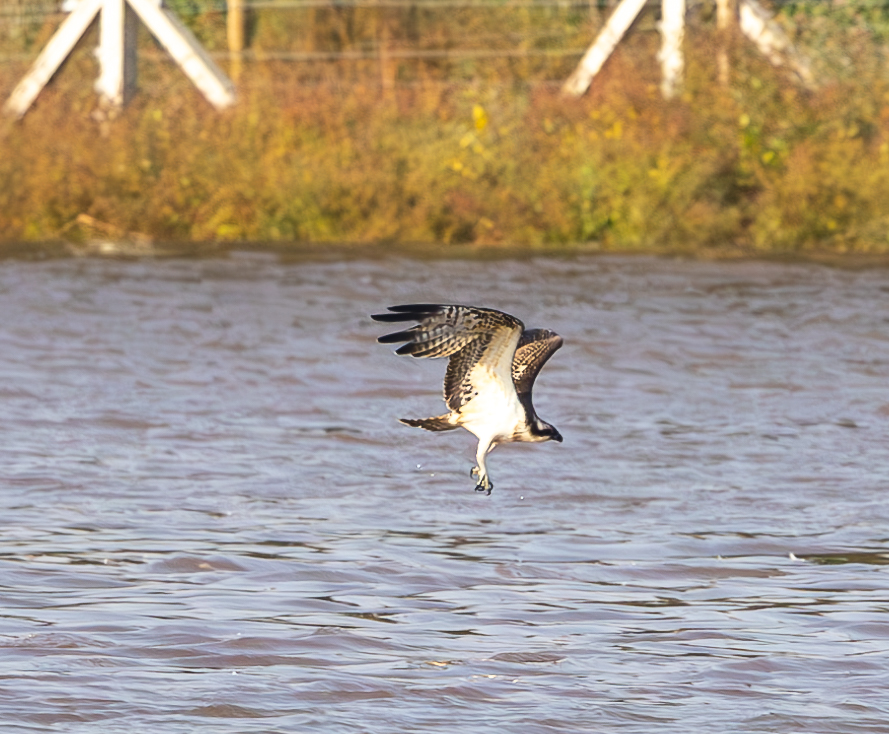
186, 52
755, 21
672, 60
597, 54
116, 53
759, 26
52, 56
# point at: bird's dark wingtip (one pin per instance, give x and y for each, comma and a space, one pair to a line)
416, 308
407, 312
398, 336
408, 348
390, 317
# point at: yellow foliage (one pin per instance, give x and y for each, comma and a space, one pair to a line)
759, 167
479, 117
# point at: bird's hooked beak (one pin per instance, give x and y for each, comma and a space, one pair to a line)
556, 436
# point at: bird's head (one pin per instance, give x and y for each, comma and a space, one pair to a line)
546, 432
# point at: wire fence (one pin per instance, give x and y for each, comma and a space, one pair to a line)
421, 39
22, 11
26, 11
424, 31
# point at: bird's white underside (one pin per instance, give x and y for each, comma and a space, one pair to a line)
483, 400
495, 412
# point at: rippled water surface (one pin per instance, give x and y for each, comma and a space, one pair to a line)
211, 521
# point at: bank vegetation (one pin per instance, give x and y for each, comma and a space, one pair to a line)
341, 137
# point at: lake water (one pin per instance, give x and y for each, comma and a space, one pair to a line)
211, 520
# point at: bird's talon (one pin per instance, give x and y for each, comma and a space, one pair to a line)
484, 486
484, 367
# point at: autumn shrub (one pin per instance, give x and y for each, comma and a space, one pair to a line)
434, 152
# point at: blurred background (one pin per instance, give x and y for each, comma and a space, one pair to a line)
443, 121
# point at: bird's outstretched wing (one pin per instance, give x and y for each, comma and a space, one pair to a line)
481, 343
535, 347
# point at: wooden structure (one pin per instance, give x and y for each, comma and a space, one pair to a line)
755, 22
235, 29
672, 59
117, 53
771, 40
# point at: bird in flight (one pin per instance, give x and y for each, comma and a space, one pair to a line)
494, 361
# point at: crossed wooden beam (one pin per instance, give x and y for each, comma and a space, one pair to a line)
117, 48
117, 53
755, 22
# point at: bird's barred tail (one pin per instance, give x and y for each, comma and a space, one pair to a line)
437, 423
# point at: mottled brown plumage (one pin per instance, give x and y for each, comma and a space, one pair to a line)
493, 364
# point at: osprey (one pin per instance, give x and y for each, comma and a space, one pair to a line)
487, 387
